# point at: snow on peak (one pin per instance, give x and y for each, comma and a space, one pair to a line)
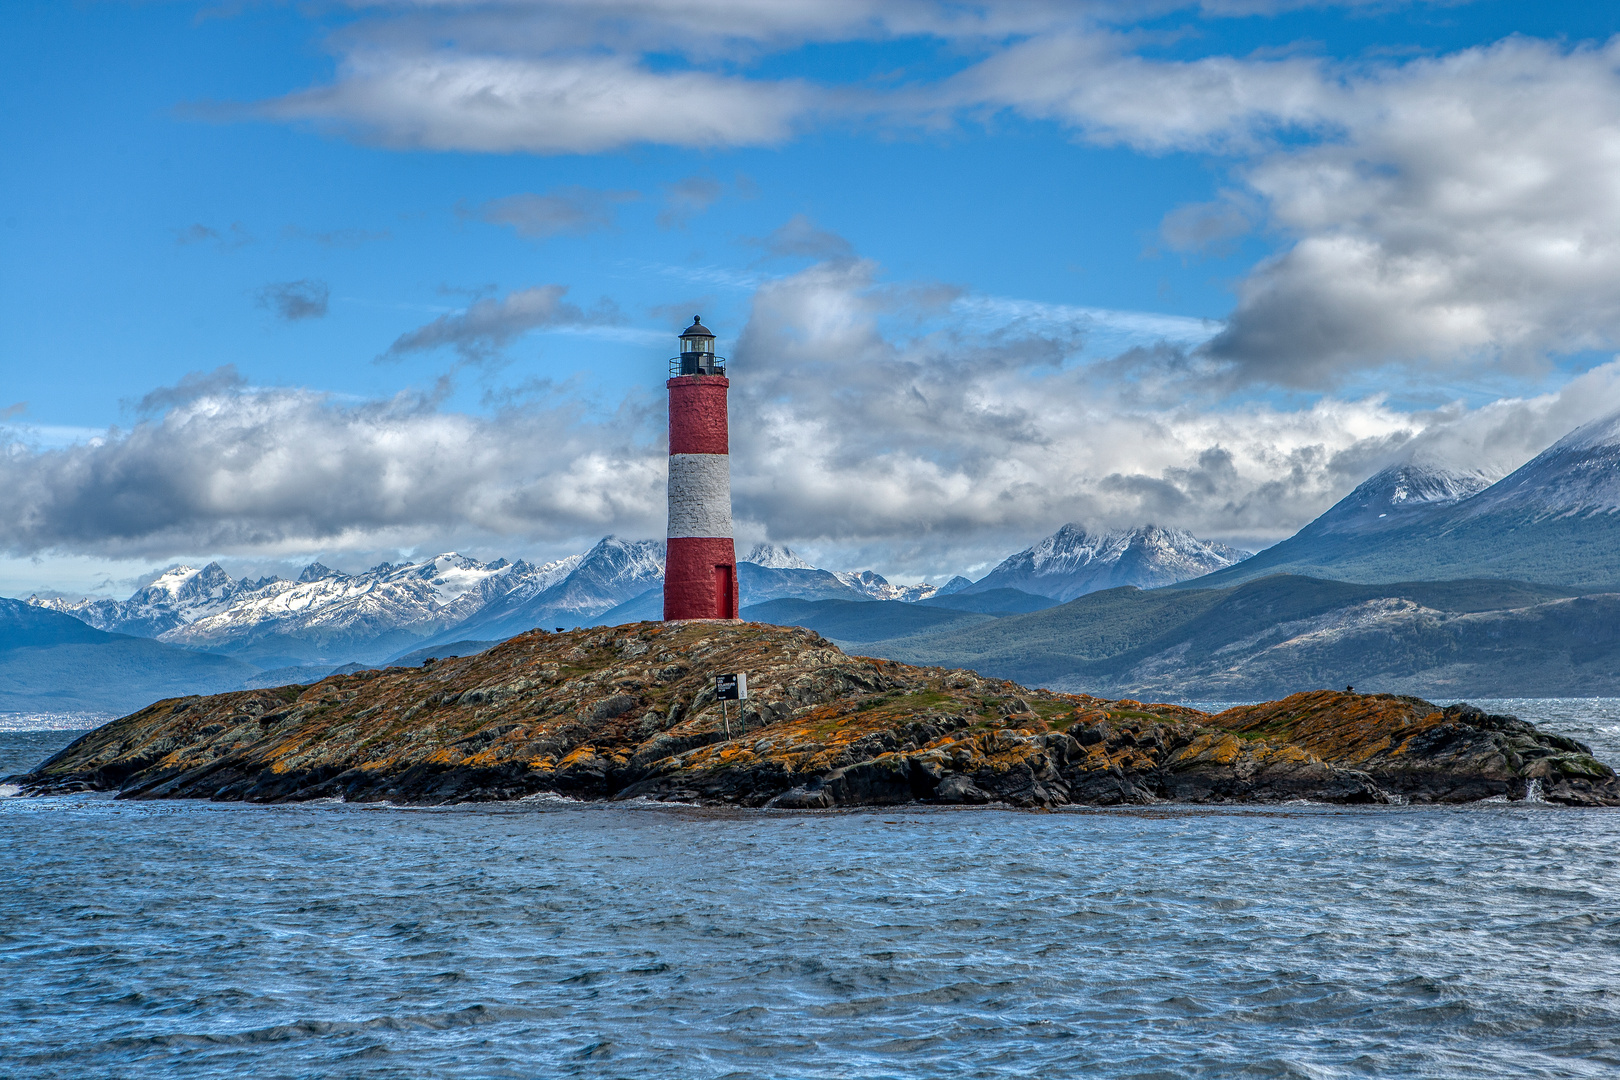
777, 558
877, 586
171, 581
625, 559
1401, 486
548, 574
1395, 496
1072, 561
1603, 432
1578, 474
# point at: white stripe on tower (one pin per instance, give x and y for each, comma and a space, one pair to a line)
700, 495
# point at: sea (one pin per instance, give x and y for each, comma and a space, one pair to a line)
549, 938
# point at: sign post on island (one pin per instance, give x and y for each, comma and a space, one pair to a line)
732, 687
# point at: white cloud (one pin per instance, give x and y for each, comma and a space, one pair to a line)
855, 437
922, 449
1456, 211
545, 105
565, 76
727, 28
894, 425
1087, 81
1470, 214
278, 471
1461, 210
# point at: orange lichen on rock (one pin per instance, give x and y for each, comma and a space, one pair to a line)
630, 712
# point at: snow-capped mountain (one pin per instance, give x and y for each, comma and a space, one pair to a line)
326, 616
1072, 562
322, 615
176, 598
1394, 497
607, 576
1555, 520
875, 586
394, 602
1577, 475
772, 573
772, 557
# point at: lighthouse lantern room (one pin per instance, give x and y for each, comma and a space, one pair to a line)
697, 352
700, 565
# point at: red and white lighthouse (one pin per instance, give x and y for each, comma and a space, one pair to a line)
700, 564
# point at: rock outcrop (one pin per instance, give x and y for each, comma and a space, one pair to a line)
630, 712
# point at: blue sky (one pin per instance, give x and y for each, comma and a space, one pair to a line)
353, 281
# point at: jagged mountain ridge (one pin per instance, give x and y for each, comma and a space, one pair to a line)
178, 596
791, 576
326, 617
1073, 562
1577, 475
610, 574
322, 615
1554, 520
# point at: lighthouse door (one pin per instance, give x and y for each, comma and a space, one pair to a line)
722, 593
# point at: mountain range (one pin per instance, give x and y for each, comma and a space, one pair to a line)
1556, 520
1072, 562
1424, 580
323, 615
1417, 578
1283, 633
327, 618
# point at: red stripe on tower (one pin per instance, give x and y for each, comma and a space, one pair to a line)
700, 563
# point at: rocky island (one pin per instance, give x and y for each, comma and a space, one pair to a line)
630, 712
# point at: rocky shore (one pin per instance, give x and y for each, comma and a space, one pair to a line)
630, 712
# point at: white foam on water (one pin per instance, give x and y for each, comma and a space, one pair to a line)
9, 791
549, 796
53, 721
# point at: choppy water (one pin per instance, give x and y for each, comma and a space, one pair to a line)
548, 939
50, 721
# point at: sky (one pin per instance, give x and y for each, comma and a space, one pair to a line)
367, 281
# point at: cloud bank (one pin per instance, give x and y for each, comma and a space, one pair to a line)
229, 469
873, 422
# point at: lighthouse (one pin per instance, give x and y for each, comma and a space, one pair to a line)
700, 565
